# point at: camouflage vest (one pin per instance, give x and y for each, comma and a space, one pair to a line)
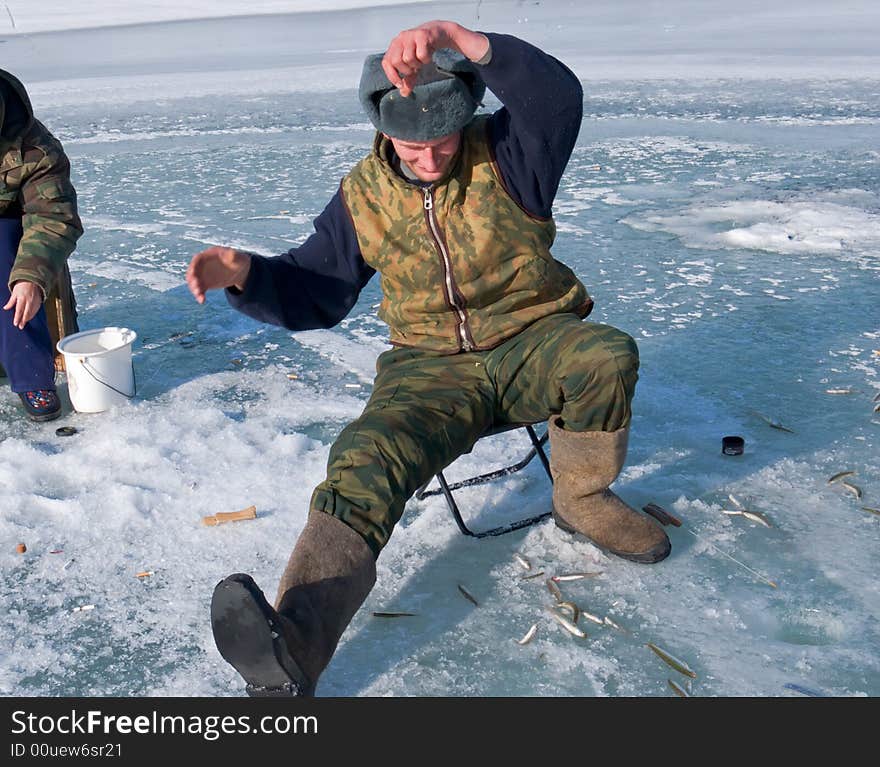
462, 266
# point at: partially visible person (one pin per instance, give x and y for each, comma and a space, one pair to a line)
39, 227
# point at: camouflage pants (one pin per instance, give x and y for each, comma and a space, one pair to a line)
427, 409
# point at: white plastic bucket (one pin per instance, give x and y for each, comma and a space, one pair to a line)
99, 369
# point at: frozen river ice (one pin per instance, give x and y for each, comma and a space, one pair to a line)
731, 224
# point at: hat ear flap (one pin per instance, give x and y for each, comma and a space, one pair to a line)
475, 85
464, 69
376, 97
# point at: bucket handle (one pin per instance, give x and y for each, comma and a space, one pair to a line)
91, 371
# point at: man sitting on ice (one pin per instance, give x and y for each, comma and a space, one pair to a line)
454, 212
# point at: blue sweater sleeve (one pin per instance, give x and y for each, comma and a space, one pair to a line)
533, 134
312, 286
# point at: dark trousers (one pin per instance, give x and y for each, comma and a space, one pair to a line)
26, 355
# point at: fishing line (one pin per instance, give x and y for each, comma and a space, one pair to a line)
753, 572
701, 497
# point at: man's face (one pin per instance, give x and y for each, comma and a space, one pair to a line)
428, 160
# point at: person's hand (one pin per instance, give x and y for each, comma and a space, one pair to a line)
26, 299
413, 48
217, 267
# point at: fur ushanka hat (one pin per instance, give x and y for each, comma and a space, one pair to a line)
444, 99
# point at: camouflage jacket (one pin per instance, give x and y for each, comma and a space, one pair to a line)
463, 266
35, 185
492, 217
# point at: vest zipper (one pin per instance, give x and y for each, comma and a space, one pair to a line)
466, 345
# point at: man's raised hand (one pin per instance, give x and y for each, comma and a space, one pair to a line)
413, 48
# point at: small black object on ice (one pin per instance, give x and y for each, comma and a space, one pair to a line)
65, 431
732, 445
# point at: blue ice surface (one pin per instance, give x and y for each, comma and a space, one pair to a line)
732, 227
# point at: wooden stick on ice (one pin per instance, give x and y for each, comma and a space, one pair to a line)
230, 516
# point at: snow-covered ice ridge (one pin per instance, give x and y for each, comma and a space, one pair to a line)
28, 17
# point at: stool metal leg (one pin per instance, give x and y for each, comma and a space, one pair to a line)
453, 506
539, 449
446, 489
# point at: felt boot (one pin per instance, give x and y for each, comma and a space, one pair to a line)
281, 651
584, 464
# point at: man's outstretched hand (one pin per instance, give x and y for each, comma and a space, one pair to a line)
217, 267
413, 48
